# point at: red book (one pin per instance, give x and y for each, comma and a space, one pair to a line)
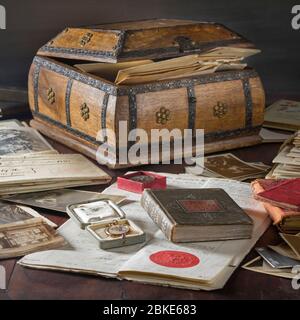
284, 194
276, 213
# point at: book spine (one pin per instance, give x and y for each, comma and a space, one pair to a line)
157, 214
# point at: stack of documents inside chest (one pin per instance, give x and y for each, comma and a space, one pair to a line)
205, 265
130, 73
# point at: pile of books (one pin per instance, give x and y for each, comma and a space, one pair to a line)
281, 198
287, 162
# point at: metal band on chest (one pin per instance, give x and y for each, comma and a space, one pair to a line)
68, 97
214, 136
70, 73
192, 100
151, 87
132, 112
249, 103
36, 75
104, 111
67, 128
187, 82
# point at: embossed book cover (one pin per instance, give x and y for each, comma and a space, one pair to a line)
191, 215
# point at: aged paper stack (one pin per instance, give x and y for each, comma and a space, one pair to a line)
287, 162
206, 265
228, 166
29, 163
218, 59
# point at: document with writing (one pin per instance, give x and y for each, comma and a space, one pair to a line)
205, 265
46, 172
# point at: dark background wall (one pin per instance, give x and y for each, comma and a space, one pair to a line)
32, 23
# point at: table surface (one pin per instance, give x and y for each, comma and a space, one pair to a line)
26, 284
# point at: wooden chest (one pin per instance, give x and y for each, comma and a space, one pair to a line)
71, 106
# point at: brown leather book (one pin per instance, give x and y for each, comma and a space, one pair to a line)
194, 215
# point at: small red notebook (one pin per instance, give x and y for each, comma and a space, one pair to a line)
285, 194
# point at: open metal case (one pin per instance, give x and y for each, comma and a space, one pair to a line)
107, 223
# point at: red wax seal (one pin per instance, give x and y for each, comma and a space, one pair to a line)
175, 259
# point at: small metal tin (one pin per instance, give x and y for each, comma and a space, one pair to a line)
123, 233
95, 211
107, 223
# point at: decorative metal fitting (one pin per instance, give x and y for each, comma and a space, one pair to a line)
51, 95
85, 112
86, 39
220, 110
163, 116
185, 43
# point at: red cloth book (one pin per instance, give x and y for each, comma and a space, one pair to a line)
284, 194
276, 213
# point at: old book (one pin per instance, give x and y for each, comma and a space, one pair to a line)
285, 194
24, 237
196, 266
283, 114
197, 215
286, 219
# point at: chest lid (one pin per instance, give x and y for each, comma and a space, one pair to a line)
138, 40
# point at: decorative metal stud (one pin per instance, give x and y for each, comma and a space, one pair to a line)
220, 110
85, 112
86, 39
163, 116
51, 95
